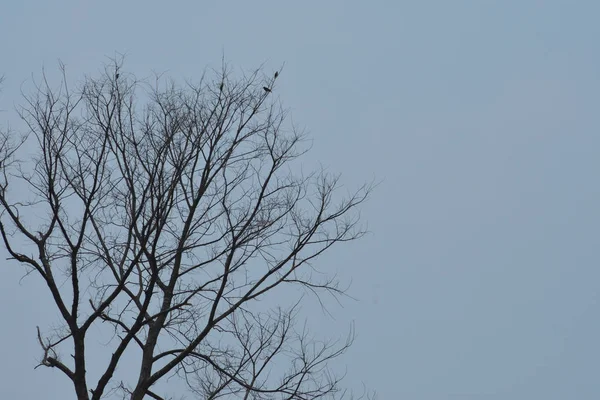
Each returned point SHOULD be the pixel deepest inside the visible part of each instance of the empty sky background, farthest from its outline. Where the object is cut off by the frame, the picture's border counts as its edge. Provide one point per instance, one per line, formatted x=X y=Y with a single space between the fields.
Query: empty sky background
x=481 y=277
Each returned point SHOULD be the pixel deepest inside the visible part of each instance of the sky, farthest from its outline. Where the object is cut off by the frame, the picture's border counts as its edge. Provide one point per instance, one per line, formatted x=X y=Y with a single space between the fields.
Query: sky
x=480 y=277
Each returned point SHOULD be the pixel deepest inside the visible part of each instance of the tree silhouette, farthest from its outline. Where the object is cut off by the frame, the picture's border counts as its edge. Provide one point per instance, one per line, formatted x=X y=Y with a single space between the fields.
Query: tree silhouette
x=168 y=220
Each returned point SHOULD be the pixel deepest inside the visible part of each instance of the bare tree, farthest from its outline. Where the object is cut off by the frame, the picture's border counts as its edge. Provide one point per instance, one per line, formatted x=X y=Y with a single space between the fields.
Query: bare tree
x=165 y=212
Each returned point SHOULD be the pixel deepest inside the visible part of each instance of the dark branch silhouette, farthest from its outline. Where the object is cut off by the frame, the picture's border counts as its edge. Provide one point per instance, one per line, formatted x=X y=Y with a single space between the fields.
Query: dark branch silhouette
x=169 y=220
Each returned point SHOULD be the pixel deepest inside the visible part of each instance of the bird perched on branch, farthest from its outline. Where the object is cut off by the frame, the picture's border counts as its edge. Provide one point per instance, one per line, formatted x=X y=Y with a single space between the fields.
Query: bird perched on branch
x=266 y=89
x=221 y=87
x=276 y=74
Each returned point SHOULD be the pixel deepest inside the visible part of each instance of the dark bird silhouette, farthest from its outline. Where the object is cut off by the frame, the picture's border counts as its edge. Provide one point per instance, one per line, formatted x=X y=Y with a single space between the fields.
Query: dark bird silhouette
x=276 y=74
x=221 y=87
x=117 y=76
x=266 y=89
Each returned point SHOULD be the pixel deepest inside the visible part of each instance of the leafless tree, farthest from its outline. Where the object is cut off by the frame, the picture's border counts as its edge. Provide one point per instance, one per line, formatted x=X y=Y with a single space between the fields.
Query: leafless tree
x=166 y=212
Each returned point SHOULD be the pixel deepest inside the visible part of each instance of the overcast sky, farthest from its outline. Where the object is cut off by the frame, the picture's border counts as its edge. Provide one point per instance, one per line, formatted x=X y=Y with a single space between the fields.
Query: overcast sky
x=481 y=278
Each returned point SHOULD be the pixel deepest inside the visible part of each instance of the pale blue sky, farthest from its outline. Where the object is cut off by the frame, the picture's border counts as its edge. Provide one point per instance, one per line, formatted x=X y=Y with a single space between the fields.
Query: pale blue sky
x=481 y=277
